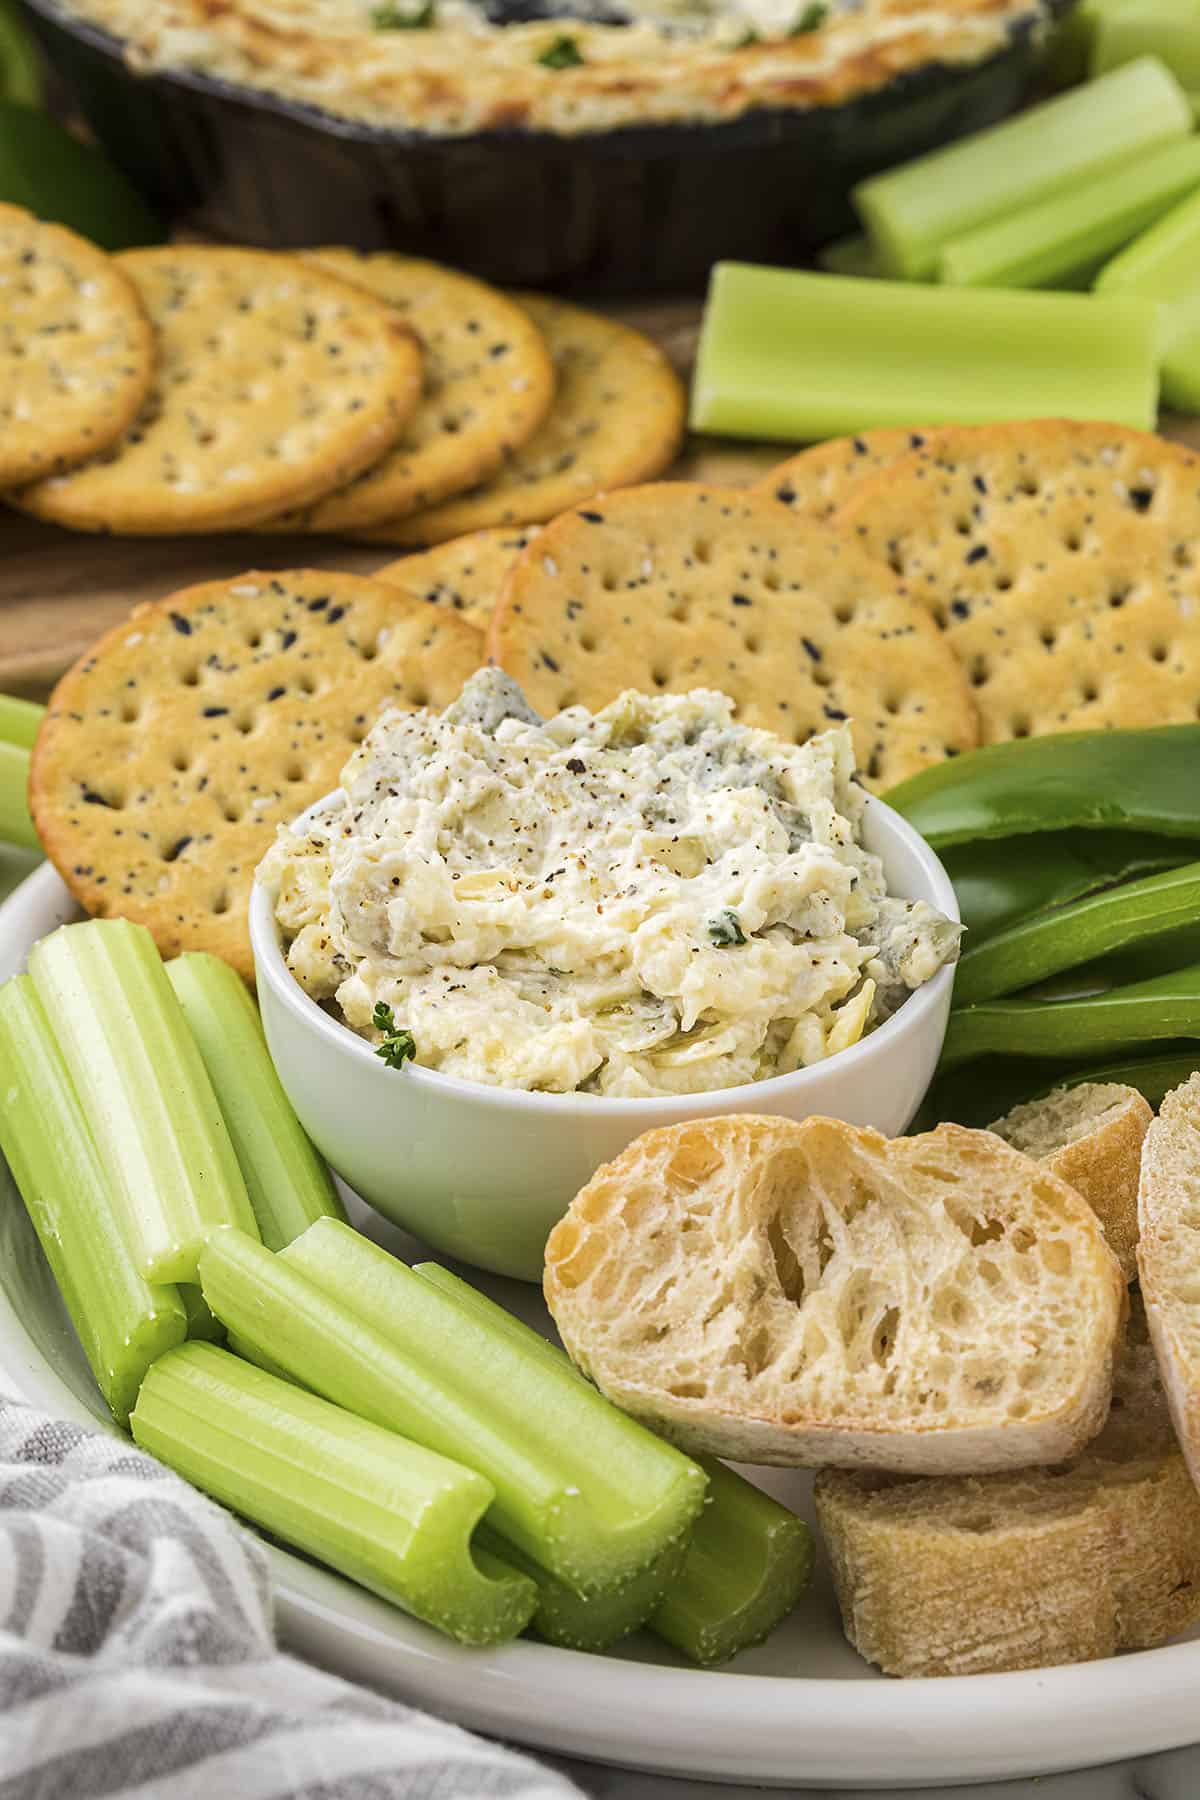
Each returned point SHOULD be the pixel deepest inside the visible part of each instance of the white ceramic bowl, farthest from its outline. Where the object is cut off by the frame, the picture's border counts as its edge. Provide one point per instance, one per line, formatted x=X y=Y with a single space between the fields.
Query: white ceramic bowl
x=483 y=1173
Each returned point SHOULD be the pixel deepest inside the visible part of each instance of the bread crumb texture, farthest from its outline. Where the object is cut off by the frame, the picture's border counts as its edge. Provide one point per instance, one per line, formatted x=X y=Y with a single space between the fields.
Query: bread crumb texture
x=813 y=1293
x=1169 y=1256
x=969 y=1576
x=1092 y=1136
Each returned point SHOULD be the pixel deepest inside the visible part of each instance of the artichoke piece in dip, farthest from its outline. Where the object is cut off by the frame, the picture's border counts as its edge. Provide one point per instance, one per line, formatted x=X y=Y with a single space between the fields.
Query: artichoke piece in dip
x=648 y=900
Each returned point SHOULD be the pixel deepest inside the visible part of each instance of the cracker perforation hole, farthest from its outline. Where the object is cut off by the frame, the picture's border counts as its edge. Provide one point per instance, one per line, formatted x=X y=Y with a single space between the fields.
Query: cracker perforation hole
x=1159 y=652
x=220 y=903
x=702 y=551
x=844 y=612
x=1021 y=726
x=190 y=676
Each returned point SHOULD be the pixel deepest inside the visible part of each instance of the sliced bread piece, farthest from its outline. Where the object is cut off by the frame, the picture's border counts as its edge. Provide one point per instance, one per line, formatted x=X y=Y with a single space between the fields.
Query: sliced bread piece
x=1092 y=1136
x=782 y=1292
x=965 y=1576
x=1169 y=1256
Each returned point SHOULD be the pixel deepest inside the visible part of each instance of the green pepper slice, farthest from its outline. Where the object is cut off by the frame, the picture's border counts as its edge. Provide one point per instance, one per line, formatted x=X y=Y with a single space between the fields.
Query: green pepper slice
x=20 y=70
x=46 y=170
x=1144 y=781
x=1145 y=1012
x=981 y=1091
x=1008 y=879
x=1140 y=913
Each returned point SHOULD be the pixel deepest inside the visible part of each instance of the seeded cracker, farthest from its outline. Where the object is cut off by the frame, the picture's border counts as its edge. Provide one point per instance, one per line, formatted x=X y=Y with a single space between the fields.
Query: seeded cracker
x=821 y=480
x=1060 y=561
x=77 y=351
x=677 y=586
x=617 y=418
x=488 y=383
x=466 y=574
x=277 y=382
x=174 y=748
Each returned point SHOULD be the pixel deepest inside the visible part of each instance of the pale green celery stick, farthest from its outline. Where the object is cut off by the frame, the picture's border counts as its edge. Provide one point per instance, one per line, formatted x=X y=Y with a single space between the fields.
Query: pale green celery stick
x=144 y=1092
x=573 y=1623
x=122 y=1321
x=19 y=720
x=910 y=212
x=248 y=1353
x=748 y=1562
x=1149 y=28
x=384 y=1511
x=587 y=1493
x=200 y=1321
x=796 y=356
x=1181 y=374
x=849 y=256
x=1049 y=243
x=1164 y=265
x=288 y=1183
x=16 y=826
x=748 y=1559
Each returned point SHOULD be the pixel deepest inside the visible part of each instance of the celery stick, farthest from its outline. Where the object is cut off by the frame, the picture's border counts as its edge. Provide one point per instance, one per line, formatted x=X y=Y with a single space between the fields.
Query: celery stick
x=748 y=1562
x=144 y=1091
x=910 y=212
x=248 y=1353
x=587 y=1493
x=1056 y=239
x=19 y=720
x=1164 y=265
x=849 y=256
x=391 y=1515
x=488 y=1313
x=1181 y=374
x=748 y=1559
x=573 y=1623
x=751 y=1560
x=16 y=826
x=288 y=1183
x=200 y=1321
x=122 y=1321
x=795 y=356
x=1149 y=28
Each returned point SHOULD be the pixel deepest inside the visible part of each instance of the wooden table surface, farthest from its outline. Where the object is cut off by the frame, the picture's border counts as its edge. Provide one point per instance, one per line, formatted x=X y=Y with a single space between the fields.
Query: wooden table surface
x=60 y=590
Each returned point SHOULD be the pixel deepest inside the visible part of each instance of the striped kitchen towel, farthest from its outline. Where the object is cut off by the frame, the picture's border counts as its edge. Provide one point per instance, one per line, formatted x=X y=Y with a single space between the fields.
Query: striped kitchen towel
x=137 y=1660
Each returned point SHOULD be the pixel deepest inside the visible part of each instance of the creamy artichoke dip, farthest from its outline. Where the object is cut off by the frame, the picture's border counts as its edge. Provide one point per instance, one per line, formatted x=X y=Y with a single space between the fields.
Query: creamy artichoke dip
x=567 y=66
x=648 y=900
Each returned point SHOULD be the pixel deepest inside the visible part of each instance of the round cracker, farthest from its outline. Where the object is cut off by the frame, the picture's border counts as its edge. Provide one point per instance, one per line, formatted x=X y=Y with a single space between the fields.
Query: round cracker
x=488 y=384
x=617 y=418
x=465 y=574
x=820 y=480
x=1060 y=561
x=173 y=749
x=77 y=352
x=678 y=586
x=277 y=382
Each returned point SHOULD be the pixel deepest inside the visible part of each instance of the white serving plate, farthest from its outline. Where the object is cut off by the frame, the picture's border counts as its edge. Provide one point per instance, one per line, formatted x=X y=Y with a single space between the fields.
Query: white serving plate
x=800 y=1711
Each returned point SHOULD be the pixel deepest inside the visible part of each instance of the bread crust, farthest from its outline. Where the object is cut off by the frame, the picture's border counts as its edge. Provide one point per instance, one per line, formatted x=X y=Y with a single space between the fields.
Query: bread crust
x=1103 y=1163
x=1169 y=1257
x=965 y=1577
x=811 y=1293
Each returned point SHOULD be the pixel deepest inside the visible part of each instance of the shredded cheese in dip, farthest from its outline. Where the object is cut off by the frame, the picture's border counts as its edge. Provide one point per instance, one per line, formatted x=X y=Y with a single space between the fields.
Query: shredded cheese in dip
x=566 y=66
x=648 y=900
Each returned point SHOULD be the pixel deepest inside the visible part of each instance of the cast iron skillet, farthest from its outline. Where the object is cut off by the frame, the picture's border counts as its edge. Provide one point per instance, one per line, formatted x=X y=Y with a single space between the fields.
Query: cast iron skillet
x=631 y=210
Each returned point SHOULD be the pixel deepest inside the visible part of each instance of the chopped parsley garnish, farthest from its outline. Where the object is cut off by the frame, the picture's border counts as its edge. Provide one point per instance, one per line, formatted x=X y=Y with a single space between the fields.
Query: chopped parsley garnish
x=811 y=19
x=563 y=53
x=398 y=1045
x=725 y=929
x=390 y=17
